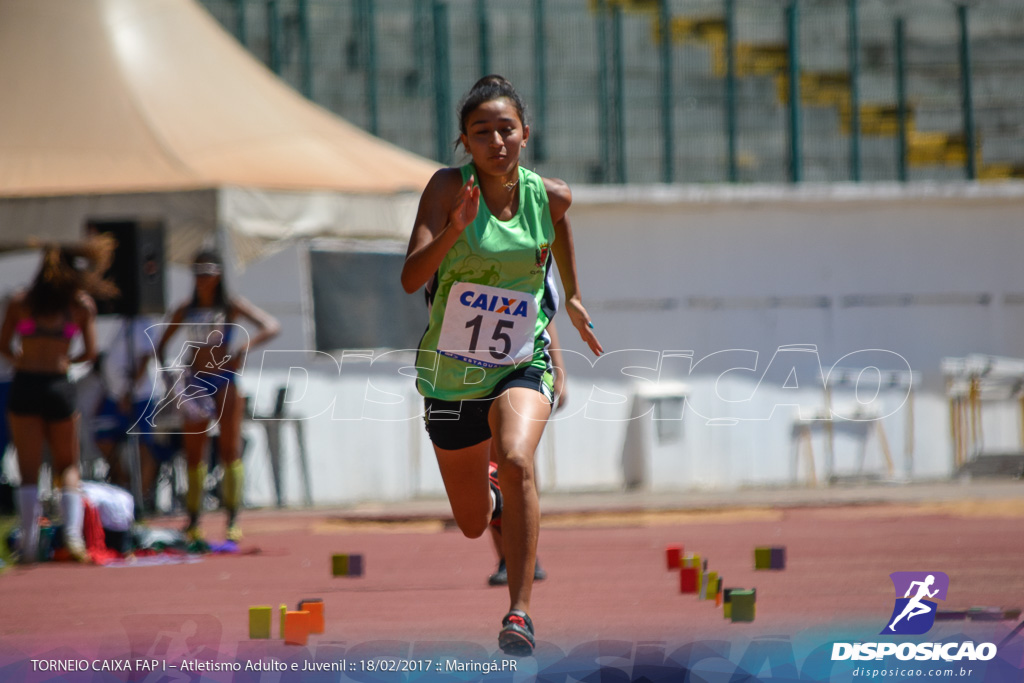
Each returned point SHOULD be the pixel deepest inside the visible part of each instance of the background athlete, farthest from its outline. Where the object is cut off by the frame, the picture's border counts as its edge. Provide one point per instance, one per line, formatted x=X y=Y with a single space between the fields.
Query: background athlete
x=208 y=320
x=46 y=318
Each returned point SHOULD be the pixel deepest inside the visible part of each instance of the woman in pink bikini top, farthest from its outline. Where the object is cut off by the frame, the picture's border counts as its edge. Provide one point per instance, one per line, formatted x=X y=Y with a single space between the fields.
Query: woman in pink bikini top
x=45 y=319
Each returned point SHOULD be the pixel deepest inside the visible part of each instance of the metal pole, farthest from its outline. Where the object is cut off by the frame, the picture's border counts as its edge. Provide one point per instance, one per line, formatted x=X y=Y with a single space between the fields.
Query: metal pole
x=358 y=29
x=240 y=28
x=421 y=37
x=664 y=22
x=792 y=30
x=901 y=104
x=603 y=117
x=854 y=46
x=968 y=102
x=540 y=76
x=730 y=89
x=620 y=96
x=442 y=96
x=371 y=65
x=484 y=31
x=274 y=36
x=134 y=453
x=307 y=52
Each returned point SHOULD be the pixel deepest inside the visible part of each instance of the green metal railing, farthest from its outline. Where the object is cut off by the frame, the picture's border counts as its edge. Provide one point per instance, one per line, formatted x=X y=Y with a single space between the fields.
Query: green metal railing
x=673 y=91
x=901 y=99
x=853 y=43
x=968 y=100
x=793 y=60
x=667 y=127
x=442 y=92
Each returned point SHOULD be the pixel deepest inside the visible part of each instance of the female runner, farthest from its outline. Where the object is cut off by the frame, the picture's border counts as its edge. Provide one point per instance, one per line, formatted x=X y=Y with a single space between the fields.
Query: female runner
x=483 y=243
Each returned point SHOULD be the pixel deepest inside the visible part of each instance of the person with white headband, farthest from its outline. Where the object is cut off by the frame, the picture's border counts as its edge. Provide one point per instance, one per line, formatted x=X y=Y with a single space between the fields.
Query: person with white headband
x=210 y=363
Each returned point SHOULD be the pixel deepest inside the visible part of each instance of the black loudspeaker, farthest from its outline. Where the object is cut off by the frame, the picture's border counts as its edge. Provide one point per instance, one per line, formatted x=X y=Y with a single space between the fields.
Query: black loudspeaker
x=138 y=268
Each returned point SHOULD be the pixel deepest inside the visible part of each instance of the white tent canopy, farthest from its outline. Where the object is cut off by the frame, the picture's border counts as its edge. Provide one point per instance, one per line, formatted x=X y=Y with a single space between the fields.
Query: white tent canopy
x=122 y=108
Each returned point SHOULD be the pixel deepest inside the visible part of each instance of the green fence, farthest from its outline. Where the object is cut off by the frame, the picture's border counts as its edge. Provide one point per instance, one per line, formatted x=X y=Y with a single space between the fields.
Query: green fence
x=733 y=91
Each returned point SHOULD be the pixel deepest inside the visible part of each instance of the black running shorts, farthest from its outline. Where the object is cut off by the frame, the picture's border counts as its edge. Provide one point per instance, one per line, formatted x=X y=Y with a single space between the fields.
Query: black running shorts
x=452 y=425
x=50 y=396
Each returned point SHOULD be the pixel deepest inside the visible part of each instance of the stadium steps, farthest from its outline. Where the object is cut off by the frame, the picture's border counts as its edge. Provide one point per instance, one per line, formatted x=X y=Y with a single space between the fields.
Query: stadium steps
x=574 y=148
x=832 y=89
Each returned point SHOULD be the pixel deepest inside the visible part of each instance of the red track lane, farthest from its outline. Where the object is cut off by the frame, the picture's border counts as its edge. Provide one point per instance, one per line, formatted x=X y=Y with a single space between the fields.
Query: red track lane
x=606 y=581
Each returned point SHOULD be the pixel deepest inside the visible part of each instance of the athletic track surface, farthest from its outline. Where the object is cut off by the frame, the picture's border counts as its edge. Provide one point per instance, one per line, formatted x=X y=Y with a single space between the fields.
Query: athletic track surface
x=425 y=585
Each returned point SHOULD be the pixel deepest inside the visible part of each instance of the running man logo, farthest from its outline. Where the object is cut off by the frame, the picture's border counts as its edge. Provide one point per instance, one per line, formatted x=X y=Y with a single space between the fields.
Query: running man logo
x=188 y=393
x=914 y=613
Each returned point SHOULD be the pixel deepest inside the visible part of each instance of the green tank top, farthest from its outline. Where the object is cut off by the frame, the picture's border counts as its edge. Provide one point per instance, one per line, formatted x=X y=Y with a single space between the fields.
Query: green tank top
x=491 y=299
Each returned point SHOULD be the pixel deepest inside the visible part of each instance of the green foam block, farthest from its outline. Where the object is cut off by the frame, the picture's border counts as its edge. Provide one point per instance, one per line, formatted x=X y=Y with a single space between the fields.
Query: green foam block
x=743 y=605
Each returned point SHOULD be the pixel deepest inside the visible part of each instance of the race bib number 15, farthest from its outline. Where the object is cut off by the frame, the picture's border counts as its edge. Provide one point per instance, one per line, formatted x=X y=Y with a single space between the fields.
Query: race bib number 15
x=488 y=326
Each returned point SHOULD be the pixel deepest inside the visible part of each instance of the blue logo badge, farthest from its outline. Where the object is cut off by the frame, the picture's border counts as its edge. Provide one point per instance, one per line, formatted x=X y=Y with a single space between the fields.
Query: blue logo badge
x=914 y=612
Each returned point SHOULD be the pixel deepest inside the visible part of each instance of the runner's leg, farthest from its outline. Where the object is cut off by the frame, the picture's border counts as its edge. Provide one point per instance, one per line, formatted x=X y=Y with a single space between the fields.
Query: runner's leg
x=28 y=433
x=62 y=435
x=230 y=456
x=517 y=419
x=464 y=472
x=194 y=438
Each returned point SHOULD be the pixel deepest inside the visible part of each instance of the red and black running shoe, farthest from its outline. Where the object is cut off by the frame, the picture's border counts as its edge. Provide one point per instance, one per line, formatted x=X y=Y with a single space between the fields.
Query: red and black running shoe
x=492 y=479
x=516 y=635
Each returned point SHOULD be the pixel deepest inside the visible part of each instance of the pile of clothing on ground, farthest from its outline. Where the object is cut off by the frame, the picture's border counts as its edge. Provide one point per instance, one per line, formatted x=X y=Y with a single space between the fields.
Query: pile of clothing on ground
x=111 y=533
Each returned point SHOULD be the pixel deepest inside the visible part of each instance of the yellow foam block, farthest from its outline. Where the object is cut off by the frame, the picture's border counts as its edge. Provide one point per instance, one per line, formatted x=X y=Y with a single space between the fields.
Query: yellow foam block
x=711 y=586
x=259 y=621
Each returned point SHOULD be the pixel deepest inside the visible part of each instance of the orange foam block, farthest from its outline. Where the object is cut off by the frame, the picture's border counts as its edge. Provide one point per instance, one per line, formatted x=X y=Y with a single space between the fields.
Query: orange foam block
x=296 y=627
x=315 y=607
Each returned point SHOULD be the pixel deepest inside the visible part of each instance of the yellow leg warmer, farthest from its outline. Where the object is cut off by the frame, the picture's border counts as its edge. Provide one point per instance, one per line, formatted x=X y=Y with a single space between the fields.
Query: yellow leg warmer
x=196 y=489
x=234 y=477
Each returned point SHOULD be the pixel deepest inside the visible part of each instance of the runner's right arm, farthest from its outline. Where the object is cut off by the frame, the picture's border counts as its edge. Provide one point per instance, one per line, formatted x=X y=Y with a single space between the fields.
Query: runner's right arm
x=7 y=330
x=179 y=315
x=446 y=208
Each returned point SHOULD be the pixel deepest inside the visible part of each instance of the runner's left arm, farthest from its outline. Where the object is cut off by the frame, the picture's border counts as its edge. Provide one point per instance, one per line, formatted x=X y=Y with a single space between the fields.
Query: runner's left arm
x=7 y=331
x=267 y=325
x=559 y=198
x=558 y=362
x=85 y=315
